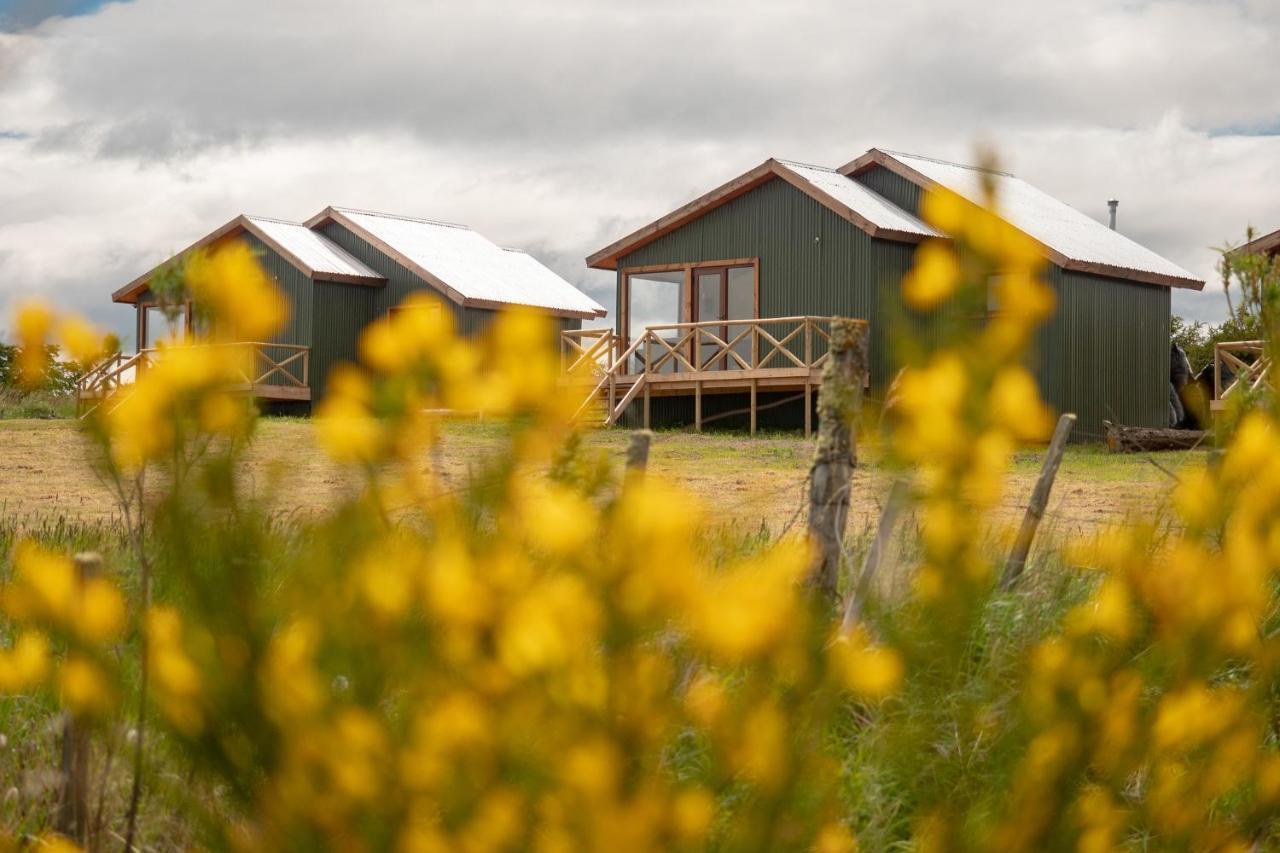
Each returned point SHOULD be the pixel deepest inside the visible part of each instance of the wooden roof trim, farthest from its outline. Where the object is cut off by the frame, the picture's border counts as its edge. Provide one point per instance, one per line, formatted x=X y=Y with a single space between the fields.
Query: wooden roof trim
x=242 y=224
x=557 y=312
x=1261 y=245
x=607 y=258
x=876 y=157
x=1129 y=274
x=129 y=293
x=829 y=201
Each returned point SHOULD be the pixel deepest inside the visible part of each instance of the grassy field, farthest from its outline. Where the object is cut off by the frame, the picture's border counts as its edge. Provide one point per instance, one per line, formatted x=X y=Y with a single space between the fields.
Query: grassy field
x=44 y=473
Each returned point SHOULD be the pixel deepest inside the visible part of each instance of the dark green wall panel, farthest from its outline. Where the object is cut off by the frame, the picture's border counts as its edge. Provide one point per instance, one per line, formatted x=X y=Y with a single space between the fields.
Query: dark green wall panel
x=896 y=188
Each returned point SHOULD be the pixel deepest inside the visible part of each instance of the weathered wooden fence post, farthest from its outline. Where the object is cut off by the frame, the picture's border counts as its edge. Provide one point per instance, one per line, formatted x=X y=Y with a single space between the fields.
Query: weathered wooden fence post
x=73 y=803
x=861 y=587
x=1039 y=500
x=638 y=452
x=830 y=478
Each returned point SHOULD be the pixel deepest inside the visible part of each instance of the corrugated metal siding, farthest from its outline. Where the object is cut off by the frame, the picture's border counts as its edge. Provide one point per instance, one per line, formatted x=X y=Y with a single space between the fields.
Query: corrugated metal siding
x=298 y=290
x=341 y=312
x=896 y=188
x=1105 y=353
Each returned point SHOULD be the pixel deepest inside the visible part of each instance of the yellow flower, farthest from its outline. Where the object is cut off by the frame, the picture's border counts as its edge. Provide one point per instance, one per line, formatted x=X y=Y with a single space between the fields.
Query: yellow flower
x=384 y=349
x=692 y=812
x=80 y=340
x=1023 y=296
x=745 y=611
x=83 y=689
x=33 y=323
x=945 y=210
x=933 y=277
x=25 y=665
x=348 y=432
x=1108 y=613
x=705 y=701
x=291 y=687
x=102 y=614
x=835 y=838
x=1015 y=405
x=222 y=414
x=230 y=283
x=558 y=520
x=760 y=753
x=868 y=671
x=46 y=588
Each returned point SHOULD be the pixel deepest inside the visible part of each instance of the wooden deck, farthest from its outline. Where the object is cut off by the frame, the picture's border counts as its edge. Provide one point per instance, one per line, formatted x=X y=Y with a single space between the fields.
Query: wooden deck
x=714 y=357
x=271 y=372
x=1250 y=364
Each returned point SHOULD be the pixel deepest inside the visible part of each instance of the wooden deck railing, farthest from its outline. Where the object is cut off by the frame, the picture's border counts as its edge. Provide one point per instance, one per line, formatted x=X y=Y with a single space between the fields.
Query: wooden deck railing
x=267 y=370
x=1247 y=361
x=713 y=351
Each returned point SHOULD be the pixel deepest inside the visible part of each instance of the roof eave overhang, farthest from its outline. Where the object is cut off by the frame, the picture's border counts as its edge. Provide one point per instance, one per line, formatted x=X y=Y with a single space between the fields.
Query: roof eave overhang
x=876 y=157
x=608 y=257
x=1266 y=244
x=330 y=214
x=495 y=305
x=242 y=224
x=129 y=293
x=1126 y=274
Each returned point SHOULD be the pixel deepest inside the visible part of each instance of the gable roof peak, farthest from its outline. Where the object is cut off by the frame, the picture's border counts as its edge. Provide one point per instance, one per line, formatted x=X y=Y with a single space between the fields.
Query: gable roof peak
x=985 y=169
x=417 y=219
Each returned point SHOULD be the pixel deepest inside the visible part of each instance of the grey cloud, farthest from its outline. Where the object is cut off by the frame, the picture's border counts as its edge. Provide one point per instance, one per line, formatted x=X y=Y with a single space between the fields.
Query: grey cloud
x=559 y=126
x=161 y=77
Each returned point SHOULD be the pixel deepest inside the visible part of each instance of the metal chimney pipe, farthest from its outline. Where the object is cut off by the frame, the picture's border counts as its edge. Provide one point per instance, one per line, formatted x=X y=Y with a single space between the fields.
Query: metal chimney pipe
x=1113 y=203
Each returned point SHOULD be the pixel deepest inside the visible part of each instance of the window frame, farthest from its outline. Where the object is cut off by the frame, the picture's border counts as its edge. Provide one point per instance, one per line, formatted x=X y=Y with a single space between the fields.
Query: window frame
x=188 y=331
x=688 y=309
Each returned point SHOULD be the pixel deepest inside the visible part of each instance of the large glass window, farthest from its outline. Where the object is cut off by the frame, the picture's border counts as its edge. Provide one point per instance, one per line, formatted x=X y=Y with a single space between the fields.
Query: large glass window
x=653 y=299
x=157 y=326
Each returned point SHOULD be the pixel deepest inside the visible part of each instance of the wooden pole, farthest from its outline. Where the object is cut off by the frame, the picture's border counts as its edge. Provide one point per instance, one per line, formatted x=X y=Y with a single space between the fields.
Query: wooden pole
x=646 y=405
x=808 y=407
x=753 y=407
x=638 y=452
x=697 y=406
x=1039 y=500
x=862 y=587
x=73 y=802
x=830 y=478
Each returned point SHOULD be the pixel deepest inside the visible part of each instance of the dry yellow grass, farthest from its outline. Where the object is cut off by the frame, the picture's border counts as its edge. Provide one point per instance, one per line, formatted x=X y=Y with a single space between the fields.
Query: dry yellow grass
x=46 y=470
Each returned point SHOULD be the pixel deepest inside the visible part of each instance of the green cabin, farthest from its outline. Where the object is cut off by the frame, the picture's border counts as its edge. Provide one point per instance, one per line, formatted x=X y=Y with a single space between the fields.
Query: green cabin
x=343 y=269
x=805 y=243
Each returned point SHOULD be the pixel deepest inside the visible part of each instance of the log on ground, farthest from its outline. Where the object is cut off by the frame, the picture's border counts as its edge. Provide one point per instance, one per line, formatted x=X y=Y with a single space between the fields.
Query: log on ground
x=1128 y=439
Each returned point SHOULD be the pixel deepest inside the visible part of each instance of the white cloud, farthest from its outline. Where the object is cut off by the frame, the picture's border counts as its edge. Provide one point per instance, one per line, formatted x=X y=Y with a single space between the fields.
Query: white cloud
x=559 y=126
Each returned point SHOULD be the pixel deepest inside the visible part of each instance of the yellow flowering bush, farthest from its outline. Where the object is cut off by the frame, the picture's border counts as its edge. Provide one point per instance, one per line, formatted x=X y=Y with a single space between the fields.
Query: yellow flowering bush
x=555 y=657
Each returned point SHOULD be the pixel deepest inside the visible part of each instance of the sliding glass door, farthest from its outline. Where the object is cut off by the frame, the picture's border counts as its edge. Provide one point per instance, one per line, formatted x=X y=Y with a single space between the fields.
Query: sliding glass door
x=725 y=293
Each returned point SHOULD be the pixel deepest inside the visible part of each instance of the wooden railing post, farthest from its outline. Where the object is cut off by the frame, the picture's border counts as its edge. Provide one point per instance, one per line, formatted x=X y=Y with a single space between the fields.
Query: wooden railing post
x=831 y=476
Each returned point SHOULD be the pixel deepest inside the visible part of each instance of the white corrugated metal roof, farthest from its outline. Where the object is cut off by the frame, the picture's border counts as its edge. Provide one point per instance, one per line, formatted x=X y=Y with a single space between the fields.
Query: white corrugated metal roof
x=312 y=248
x=876 y=209
x=472 y=265
x=1054 y=223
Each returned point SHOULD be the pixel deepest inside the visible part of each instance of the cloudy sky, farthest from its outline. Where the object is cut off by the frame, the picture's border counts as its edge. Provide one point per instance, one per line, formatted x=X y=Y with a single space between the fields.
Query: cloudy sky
x=128 y=130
